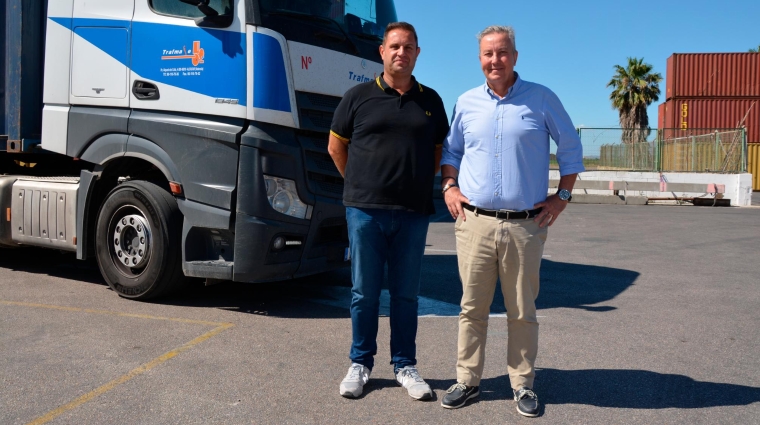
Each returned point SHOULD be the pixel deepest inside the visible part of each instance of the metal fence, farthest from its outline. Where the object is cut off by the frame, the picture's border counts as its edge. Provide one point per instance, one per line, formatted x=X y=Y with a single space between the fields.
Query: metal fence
x=718 y=151
x=693 y=150
x=630 y=156
x=619 y=148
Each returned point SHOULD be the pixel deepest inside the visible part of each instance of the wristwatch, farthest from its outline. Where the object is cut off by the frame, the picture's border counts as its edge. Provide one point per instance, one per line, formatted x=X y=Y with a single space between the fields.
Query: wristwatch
x=448 y=186
x=564 y=195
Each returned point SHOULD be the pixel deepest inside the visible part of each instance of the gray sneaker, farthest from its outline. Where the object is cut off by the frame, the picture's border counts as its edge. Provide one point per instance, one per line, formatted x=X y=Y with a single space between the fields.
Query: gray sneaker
x=353 y=384
x=409 y=378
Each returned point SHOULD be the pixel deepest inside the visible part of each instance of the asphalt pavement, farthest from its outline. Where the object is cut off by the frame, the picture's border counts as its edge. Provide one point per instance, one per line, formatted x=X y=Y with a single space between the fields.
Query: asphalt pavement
x=649 y=314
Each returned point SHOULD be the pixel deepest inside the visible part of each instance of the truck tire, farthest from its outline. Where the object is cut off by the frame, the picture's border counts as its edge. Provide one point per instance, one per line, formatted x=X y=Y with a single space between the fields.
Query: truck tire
x=138 y=241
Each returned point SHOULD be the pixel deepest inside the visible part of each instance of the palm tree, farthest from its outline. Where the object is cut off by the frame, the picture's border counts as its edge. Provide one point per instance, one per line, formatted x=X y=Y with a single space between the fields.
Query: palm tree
x=755 y=50
x=633 y=89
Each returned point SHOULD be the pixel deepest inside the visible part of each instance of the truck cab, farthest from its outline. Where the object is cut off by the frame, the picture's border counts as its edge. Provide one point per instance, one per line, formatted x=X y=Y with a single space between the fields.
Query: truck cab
x=173 y=138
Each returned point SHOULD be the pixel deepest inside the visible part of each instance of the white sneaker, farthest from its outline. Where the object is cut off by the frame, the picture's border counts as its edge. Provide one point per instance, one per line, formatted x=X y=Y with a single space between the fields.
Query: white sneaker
x=409 y=378
x=353 y=383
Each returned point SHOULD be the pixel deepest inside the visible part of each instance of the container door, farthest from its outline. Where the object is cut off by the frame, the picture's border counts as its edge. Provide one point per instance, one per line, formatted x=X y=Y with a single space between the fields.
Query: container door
x=99 y=52
x=183 y=61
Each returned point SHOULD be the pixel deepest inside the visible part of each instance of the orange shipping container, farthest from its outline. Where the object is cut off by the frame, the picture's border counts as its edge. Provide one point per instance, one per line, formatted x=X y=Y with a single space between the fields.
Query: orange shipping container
x=661 y=115
x=713 y=114
x=712 y=75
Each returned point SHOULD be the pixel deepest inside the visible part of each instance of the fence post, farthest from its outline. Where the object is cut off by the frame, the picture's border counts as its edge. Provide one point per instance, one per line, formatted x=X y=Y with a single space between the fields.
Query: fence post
x=744 y=150
x=658 y=149
x=693 y=152
x=717 y=144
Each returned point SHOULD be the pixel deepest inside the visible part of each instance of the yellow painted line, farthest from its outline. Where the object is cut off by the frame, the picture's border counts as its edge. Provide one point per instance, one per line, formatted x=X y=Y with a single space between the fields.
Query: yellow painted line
x=220 y=327
x=122 y=379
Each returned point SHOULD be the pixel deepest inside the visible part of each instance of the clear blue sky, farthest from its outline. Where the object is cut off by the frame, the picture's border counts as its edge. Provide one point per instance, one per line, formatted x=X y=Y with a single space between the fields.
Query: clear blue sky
x=571 y=47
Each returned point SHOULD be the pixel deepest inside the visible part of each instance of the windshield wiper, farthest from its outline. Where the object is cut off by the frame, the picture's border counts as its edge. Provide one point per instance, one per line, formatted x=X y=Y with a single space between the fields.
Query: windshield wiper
x=308 y=17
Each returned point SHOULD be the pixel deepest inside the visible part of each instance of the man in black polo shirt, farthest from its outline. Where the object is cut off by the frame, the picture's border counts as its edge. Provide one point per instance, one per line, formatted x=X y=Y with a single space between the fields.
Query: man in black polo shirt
x=386 y=140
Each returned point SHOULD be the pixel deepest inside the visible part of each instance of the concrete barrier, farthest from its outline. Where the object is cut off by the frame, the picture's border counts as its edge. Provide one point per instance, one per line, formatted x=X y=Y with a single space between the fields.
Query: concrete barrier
x=735 y=187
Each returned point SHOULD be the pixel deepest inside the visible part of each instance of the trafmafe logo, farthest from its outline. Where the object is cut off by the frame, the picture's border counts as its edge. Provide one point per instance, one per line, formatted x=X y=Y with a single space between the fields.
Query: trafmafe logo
x=196 y=55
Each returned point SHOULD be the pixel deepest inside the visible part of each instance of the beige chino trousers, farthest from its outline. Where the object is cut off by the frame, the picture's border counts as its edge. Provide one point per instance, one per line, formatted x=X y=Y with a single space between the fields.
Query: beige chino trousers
x=511 y=250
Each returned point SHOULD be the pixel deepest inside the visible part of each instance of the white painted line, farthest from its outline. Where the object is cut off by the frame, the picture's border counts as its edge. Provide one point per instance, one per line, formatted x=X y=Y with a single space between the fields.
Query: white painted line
x=547 y=256
x=440 y=250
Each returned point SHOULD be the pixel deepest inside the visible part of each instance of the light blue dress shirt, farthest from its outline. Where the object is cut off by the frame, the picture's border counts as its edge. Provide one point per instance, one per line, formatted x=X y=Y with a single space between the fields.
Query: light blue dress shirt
x=501 y=146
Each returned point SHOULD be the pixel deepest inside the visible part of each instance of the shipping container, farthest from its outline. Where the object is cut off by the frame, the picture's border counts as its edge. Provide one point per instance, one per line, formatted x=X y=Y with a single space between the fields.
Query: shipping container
x=2 y=74
x=661 y=115
x=22 y=50
x=713 y=114
x=712 y=75
x=753 y=164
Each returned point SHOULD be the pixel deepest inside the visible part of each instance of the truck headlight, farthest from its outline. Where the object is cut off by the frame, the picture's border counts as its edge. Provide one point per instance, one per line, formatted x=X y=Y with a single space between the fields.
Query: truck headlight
x=283 y=197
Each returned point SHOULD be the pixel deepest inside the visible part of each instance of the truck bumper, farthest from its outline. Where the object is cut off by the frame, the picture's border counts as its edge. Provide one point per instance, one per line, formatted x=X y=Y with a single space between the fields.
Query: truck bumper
x=323 y=245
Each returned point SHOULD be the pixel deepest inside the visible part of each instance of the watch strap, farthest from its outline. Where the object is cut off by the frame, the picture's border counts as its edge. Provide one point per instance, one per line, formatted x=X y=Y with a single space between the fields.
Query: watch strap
x=449 y=186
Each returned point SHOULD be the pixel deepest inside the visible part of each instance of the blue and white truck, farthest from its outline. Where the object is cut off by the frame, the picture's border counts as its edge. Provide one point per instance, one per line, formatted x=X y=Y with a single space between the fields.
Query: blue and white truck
x=173 y=138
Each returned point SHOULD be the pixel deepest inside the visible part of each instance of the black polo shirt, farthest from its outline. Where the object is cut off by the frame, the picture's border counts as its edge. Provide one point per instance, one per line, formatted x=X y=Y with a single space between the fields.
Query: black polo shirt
x=392 y=144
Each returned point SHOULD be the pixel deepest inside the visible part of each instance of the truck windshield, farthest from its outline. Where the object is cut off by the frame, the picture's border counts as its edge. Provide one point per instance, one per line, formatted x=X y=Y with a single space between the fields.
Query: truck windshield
x=363 y=21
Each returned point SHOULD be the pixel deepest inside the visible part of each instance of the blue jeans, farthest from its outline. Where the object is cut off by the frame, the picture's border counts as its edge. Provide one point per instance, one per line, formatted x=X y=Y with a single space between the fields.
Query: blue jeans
x=377 y=237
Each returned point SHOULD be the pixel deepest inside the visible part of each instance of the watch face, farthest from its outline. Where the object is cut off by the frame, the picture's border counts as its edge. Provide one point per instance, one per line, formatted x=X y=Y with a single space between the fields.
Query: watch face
x=564 y=194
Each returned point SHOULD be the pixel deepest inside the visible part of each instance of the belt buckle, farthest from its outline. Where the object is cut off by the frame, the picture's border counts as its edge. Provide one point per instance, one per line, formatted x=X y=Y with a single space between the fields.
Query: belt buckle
x=505 y=212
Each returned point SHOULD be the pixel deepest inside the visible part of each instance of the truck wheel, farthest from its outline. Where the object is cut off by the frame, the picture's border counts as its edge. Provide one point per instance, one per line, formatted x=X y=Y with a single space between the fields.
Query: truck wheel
x=138 y=240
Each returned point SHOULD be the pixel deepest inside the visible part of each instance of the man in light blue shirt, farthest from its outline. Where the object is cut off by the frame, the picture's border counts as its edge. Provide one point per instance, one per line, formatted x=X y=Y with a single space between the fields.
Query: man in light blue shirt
x=495 y=172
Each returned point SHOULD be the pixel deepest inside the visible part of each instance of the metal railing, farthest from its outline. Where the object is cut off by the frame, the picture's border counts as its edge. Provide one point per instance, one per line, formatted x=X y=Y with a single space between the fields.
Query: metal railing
x=692 y=150
x=717 y=151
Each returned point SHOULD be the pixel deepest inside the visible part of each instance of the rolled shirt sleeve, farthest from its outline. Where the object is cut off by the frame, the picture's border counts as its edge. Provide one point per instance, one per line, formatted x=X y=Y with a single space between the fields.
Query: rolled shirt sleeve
x=453 y=144
x=560 y=127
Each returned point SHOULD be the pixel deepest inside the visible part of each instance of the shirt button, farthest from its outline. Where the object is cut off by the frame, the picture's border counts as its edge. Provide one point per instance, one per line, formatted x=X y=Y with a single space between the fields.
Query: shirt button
x=496 y=193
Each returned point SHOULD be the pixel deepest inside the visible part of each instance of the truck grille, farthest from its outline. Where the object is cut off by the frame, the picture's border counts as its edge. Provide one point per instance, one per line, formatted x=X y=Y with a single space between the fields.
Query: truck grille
x=318 y=119
x=315 y=112
x=323 y=101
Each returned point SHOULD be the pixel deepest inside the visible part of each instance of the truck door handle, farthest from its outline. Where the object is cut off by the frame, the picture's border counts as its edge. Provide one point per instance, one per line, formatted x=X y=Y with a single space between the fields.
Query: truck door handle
x=144 y=90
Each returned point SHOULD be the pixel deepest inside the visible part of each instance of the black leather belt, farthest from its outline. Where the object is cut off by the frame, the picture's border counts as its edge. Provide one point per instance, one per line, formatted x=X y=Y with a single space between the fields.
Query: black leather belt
x=504 y=214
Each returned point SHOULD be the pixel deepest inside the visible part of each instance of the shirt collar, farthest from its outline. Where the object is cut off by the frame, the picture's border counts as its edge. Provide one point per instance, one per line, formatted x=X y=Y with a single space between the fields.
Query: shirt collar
x=515 y=86
x=380 y=81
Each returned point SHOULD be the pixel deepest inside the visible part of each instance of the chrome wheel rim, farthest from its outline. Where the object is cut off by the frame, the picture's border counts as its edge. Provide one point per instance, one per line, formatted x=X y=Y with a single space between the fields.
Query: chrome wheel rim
x=129 y=241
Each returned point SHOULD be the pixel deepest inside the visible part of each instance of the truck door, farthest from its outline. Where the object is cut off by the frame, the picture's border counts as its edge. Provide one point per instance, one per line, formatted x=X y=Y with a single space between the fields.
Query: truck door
x=100 y=52
x=185 y=61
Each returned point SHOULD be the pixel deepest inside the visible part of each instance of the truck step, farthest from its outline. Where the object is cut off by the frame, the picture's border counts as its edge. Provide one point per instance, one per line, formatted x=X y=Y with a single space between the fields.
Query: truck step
x=220 y=269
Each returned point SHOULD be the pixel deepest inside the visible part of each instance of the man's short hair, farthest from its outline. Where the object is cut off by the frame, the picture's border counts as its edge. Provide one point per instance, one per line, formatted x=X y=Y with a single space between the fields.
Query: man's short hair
x=499 y=29
x=400 y=26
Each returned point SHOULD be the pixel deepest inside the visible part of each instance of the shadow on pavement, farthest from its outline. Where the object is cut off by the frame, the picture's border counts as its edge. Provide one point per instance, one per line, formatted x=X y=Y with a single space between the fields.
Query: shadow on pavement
x=563 y=285
x=53 y=263
x=301 y=298
x=327 y=295
x=624 y=389
x=636 y=389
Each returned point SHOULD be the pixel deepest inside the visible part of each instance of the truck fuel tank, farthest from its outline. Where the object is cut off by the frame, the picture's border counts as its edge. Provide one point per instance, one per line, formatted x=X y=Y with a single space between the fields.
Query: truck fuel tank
x=39 y=211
